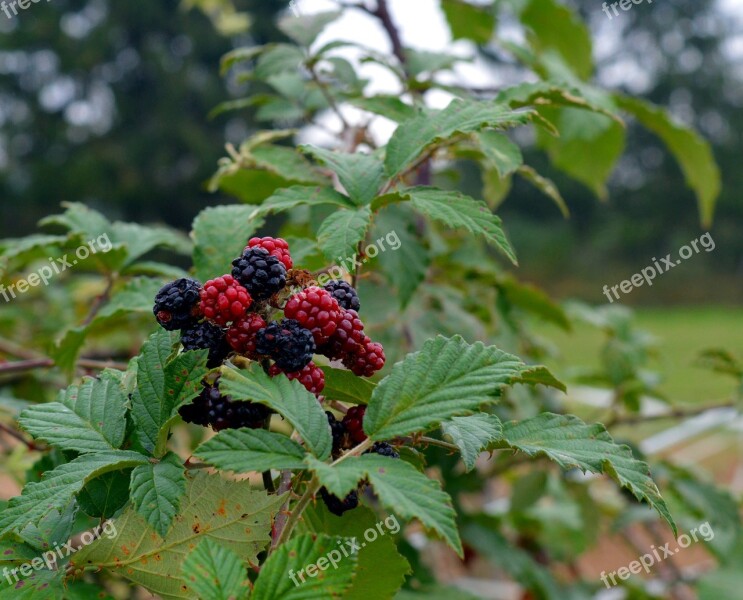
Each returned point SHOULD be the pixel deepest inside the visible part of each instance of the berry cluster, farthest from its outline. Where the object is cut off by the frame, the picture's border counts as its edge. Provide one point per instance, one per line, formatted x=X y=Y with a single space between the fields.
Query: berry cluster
x=239 y=313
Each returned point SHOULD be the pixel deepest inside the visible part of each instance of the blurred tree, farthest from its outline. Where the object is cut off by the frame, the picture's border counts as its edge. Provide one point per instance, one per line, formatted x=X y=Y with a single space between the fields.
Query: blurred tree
x=105 y=103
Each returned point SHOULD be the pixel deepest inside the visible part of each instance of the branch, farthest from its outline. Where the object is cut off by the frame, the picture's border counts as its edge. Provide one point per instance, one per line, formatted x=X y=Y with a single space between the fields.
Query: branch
x=18 y=436
x=101 y=300
x=26 y=365
x=383 y=14
x=677 y=413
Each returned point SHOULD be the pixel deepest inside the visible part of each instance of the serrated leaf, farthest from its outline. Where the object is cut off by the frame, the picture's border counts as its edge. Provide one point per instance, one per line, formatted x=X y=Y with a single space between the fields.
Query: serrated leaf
x=546 y=186
x=448 y=377
x=280 y=578
x=278 y=58
x=102 y=497
x=58 y=487
x=40 y=585
x=457 y=210
x=140 y=239
x=230 y=513
x=88 y=418
x=304 y=29
x=360 y=174
x=288 y=398
x=220 y=233
x=500 y=152
x=245 y=450
x=299 y=195
x=287 y=162
x=340 y=234
x=573 y=444
x=469 y=22
x=538 y=375
x=390 y=107
x=215 y=573
x=533 y=300
x=381 y=568
x=344 y=386
x=472 y=435
x=156 y=491
x=239 y=55
x=401 y=488
x=412 y=137
x=692 y=152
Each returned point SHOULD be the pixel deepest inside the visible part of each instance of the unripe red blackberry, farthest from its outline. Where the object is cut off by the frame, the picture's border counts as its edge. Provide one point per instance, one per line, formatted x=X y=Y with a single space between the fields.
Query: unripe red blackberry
x=206 y=335
x=276 y=247
x=261 y=273
x=344 y=293
x=224 y=300
x=366 y=360
x=316 y=310
x=347 y=338
x=311 y=377
x=289 y=344
x=177 y=304
x=353 y=422
x=241 y=336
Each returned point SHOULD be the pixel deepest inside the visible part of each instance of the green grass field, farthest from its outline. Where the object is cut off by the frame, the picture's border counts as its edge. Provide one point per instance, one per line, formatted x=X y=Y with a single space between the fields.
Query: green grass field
x=682 y=332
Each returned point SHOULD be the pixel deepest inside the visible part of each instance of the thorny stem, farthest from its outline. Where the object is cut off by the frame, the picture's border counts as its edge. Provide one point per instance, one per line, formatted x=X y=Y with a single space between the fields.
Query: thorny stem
x=281 y=519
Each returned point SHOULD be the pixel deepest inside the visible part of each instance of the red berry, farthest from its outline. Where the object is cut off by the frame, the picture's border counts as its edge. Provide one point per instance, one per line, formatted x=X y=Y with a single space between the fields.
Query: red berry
x=353 y=422
x=276 y=247
x=347 y=338
x=223 y=300
x=367 y=360
x=241 y=336
x=316 y=310
x=311 y=377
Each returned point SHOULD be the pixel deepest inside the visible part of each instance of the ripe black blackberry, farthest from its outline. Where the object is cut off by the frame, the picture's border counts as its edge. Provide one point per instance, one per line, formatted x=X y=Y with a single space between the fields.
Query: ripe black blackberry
x=383 y=449
x=344 y=294
x=210 y=407
x=289 y=344
x=206 y=335
x=338 y=506
x=338 y=431
x=177 y=304
x=261 y=273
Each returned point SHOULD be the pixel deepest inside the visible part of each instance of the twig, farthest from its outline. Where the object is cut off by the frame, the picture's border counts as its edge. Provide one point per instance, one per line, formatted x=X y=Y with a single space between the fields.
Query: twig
x=383 y=14
x=89 y=363
x=678 y=413
x=8 y=347
x=328 y=96
x=26 y=365
x=281 y=518
x=18 y=436
x=101 y=300
x=430 y=442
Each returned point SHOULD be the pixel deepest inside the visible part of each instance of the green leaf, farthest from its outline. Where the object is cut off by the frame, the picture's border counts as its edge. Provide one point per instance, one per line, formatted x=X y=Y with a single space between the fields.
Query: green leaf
x=156 y=491
x=102 y=497
x=472 y=435
x=341 y=233
x=448 y=377
x=304 y=29
x=230 y=513
x=215 y=573
x=529 y=298
x=413 y=136
x=239 y=55
x=280 y=575
x=344 y=386
x=287 y=162
x=381 y=568
x=693 y=153
x=468 y=22
x=538 y=375
x=245 y=450
x=278 y=58
x=500 y=152
x=390 y=107
x=58 y=487
x=163 y=385
x=556 y=28
x=573 y=444
x=401 y=488
x=220 y=233
x=546 y=186
x=140 y=239
x=299 y=195
x=288 y=398
x=88 y=418
x=44 y=584
x=459 y=211
x=360 y=174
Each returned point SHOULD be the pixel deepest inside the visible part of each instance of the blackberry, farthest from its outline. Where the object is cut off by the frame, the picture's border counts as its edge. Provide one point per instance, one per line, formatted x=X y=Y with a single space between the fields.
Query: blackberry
x=223 y=299
x=383 y=449
x=311 y=377
x=336 y=505
x=276 y=247
x=210 y=407
x=288 y=343
x=338 y=432
x=260 y=272
x=345 y=294
x=177 y=304
x=347 y=338
x=241 y=336
x=317 y=310
x=353 y=422
x=366 y=360
x=205 y=335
